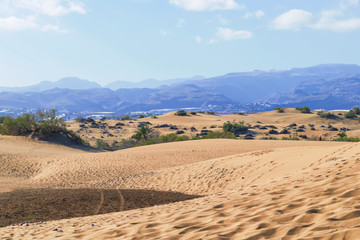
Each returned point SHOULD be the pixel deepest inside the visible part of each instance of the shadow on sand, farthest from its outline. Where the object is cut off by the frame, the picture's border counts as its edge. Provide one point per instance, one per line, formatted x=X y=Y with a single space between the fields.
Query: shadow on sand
x=34 y=205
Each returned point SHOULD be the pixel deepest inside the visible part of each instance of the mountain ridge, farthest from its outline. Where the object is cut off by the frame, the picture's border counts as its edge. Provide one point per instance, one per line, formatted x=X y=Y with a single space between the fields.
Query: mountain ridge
x=321 y=86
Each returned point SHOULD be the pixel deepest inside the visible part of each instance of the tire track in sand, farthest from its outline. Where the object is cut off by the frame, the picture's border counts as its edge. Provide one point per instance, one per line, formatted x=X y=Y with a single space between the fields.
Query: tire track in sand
x=122 y=201
x=97 y=211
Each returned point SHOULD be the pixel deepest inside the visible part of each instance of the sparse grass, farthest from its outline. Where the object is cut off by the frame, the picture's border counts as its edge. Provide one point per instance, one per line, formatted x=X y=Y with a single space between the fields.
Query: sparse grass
x=126 y=117
x=344 y=138
x=293 y=137
x=181 y=113
x=350 y=114
x=303 y=109
x=217 y=134
x=101 y=144
x=327 y=115
x=280 y=110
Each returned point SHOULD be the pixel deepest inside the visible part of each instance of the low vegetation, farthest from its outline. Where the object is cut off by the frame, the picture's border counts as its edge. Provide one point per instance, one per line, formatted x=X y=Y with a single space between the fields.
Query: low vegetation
x=126 y=117
x=44 y=124
x=235 y=128
x=326 y=115
x=181 y=113
x=293 y=137
x=344 y=138
x=304 y=109
x=356 y=110
x=101 y=144
x=280 y=110
x=350 y=114
x=143 y=133
x=217 y=134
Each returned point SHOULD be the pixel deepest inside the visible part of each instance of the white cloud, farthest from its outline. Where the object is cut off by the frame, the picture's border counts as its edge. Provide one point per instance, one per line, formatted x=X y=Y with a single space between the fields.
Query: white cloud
x=163 y=32
x=198 y=39
x=29 y=23
x=28 y=14
x=17 y=24
x=222 y=20
x=230 y=34
x=348 y=3
x=206 y=5
x=49 y=7
x=53 y=28
x=212 y=41
x=328 y=21
x=257 y=14
x=293 y=20
x=180 y=23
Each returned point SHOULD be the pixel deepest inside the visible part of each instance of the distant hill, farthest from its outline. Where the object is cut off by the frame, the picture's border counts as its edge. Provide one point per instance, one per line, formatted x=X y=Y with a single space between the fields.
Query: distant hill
x=150 y=83
x=68 y=82
x=324 y=86
x=338 y=93
x=258 y=86
x=104 y=99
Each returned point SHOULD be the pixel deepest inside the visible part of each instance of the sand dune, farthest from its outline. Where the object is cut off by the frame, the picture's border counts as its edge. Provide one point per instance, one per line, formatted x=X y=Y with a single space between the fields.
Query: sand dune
x=251 y=189
x=192 y=125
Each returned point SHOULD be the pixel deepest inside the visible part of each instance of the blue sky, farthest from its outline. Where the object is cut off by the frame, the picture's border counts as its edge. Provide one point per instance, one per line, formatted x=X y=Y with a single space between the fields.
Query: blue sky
x=132 y=40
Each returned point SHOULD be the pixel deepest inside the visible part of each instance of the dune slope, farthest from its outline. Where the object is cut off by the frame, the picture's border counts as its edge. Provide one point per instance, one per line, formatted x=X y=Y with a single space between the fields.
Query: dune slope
x=252 y=189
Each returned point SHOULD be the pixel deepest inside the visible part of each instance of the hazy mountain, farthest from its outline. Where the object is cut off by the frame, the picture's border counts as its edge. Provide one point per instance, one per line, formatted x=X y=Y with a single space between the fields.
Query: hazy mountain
x=323 y=86
x=68 y=82
x=171 y=97
x=337 y=93
x=253 y=86
x=150 y=83
x=104 y=99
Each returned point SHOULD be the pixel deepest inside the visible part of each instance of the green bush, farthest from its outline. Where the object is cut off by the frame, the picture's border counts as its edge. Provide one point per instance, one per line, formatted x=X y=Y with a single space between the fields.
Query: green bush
x=218 y=134
x=235 y=128
x=21 y=125
x=101 y=144
x=305 y=109
x=43 y=124
x=211 y=113
x=181 y=113
x=2 y=119
x=356 y=110
x=344 y=138
x=126 y=117
x=293 y=137
x=193 y=113
x=48 y=123
x=280 y=110
x=273 y=131
x=141 y=116
x=327 y=115
x=80 y=120
x=350 y=114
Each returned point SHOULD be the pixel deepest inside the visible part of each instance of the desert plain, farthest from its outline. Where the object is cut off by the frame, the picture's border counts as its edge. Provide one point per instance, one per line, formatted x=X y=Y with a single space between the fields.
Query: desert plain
x=198 y=189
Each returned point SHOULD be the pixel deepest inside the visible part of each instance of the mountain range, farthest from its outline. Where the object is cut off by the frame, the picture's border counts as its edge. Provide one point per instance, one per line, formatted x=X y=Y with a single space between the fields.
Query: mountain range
x=326 y=86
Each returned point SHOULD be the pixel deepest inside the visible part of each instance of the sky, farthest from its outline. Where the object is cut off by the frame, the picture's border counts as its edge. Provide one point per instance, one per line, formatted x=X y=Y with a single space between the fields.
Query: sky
x=133 y=40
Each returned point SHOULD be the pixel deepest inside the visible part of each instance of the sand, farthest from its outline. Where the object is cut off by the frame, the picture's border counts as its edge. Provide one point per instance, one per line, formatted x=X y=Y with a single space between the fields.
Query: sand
x=192 y=125
x=250 y=189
